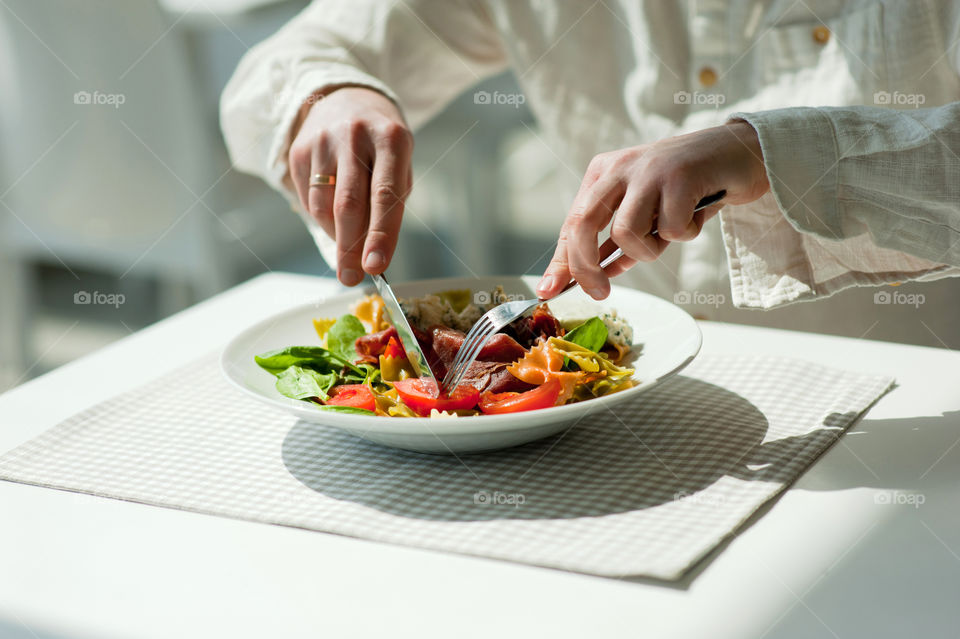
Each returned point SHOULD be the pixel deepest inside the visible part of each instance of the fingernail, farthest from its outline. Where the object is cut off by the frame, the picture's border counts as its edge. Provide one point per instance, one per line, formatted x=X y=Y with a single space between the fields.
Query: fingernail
x=350 y=277
x=546 y=284
x=374 y=261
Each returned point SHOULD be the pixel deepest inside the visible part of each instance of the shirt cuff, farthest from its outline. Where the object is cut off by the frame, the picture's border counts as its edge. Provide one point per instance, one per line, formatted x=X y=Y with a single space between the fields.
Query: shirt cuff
x=790 y=245
x=771 y=264
x=802 y=158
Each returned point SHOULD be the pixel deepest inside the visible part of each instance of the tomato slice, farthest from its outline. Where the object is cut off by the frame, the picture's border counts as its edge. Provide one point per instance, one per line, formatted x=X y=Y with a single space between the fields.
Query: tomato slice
x=355 y=395
x=543 y=396
x=394 y=349
x=422 y=396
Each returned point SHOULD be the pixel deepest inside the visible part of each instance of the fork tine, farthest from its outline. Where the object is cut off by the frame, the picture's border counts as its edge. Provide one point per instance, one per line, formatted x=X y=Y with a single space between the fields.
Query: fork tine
x=477 y=337
x=457 y=374
x=451 y=372
x=475 y=330
x=462 y=362
x=482 y=325
x=454 y=376
x=472 y=350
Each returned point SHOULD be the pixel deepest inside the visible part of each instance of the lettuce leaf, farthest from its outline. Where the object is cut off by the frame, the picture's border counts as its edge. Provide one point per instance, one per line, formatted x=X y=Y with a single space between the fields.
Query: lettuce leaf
x=592 y=334
x=315 y=357
x=342 y=336
x=297 y=382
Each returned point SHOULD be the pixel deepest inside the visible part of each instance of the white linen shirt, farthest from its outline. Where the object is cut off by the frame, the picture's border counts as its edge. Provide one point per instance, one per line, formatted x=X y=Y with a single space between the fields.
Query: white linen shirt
x=865 y=186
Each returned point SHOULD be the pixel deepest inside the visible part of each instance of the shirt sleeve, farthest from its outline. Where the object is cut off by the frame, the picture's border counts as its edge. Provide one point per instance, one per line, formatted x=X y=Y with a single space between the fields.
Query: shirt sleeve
x=858 y=196
x=420 y=54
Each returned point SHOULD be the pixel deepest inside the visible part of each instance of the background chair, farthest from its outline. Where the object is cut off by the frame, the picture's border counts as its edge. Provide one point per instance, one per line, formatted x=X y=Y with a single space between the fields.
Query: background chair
x=109 y=164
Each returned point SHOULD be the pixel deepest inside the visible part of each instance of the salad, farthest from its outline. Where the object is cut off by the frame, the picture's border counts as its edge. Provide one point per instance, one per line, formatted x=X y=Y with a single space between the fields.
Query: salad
x=359 y=365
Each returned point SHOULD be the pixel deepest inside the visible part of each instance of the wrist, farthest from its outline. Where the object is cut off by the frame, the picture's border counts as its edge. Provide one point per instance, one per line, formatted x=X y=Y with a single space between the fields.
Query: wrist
x=315 y=98
x=752 y=155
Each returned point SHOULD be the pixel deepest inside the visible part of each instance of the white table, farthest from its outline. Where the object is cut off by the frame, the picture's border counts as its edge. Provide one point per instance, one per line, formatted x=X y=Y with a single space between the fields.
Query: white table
x=826 y=560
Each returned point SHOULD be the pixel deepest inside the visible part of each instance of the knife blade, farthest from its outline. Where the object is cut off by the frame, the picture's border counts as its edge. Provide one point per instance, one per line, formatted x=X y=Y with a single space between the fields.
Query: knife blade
x=418 y=361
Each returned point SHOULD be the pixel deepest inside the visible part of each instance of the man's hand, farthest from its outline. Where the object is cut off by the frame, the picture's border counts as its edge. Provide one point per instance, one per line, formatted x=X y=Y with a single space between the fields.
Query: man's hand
x=359 y=136
x=652 y=187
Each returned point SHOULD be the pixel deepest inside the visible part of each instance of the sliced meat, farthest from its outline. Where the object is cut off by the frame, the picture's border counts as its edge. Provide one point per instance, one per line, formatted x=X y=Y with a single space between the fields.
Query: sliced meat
x=370 y=347
x=374 y=344
x=500 y=348
x=424 y=338
x=493 y=376
x=541 y=324
x=445 y=344
x=489 y=371
x=502 y=380
x=479 y=374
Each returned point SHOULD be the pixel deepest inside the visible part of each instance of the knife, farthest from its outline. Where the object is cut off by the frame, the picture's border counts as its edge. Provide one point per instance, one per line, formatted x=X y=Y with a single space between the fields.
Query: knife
x=418 y=361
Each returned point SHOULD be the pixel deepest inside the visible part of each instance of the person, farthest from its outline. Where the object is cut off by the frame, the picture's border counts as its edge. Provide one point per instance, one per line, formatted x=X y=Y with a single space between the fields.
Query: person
x=833 y=127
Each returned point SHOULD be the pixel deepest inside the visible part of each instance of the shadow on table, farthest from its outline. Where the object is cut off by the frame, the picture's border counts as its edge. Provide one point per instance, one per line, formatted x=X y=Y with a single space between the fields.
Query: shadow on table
x=645 y=454
x=903 y=454
x=899 y=454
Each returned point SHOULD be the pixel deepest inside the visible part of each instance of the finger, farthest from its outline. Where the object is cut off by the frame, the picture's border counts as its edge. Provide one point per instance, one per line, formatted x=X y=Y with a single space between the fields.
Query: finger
x=707 y=214
x=350 y=213
x=621 y=265
x=632 y=229
x=675 y=222
x=583 y=226
x=388 y=191
x=557 y=274
x=320 y=197
x=298 y=163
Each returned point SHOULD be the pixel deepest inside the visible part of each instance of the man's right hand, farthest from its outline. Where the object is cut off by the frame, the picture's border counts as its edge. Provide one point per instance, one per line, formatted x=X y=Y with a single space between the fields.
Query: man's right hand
x=360 y=136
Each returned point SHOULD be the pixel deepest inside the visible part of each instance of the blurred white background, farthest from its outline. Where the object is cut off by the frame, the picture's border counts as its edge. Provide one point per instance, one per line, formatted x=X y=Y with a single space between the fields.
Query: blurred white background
x=118 y=205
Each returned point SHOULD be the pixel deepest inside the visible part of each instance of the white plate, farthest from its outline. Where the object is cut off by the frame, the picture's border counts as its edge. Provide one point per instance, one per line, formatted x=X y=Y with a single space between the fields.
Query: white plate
x=669 y=339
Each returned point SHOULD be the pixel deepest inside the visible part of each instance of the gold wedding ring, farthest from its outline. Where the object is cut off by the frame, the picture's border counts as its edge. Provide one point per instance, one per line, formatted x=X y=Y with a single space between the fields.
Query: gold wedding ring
x=320 y=179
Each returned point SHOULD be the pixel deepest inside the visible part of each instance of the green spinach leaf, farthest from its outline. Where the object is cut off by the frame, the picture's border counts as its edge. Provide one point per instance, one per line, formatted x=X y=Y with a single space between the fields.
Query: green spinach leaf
x=316 y=357
x=302 y=383
x=343 y=335
x=592 y=334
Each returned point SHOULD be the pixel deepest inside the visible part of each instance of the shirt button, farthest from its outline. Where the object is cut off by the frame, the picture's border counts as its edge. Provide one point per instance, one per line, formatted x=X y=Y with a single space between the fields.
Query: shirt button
x=708 y=77
x=821 y=34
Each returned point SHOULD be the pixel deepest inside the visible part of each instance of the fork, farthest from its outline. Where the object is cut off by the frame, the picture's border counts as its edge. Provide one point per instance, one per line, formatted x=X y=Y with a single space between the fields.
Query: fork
x=494 y=320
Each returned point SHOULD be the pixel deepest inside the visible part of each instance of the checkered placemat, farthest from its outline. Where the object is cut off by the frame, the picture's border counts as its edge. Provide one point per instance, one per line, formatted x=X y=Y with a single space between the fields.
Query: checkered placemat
x=645 y=489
